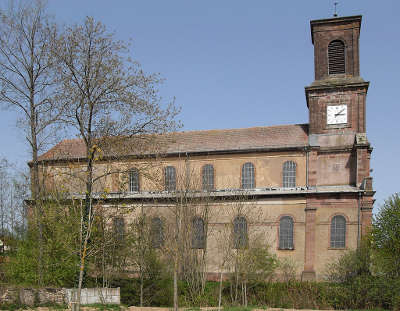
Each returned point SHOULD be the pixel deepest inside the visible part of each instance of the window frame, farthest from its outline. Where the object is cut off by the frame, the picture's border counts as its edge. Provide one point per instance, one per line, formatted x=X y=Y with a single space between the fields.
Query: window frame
x=207 y=174
x=248 y=176
x=198 y=236
x=344 y=57
x=289 y=180
x=240 y=232
x=334 y=242
x=169 y=183
x=156 y=232
x=134 y=172
x=290 y=245
x=119 y=228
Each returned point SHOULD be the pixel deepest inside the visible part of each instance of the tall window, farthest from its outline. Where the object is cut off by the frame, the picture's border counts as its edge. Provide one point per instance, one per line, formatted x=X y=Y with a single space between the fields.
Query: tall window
x=336 y=57
x=198 y=233
x=170 y=178
x=119 y=228
x=248 y=176
x=208 y=177
x=239 y=232
x=289 y=174
x=286 y=233
x=157 y=235
x=338 y=232
x=134 y=180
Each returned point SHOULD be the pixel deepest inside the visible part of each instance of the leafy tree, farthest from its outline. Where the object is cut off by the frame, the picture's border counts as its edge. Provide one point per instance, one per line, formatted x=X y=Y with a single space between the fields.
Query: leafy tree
x=28 y=83
x=60 y=252
x=112 y=104
x=142 y=253
x=386 y=237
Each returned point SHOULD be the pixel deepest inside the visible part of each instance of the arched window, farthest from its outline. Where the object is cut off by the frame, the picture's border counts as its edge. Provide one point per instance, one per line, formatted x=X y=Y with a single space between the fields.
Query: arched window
x=119 y=228
x=170 y=178
x=338 y=232
x=286 y=233
x=336 y=57
x=134 y=180
x=248 y=176
x=198 y=233
x=208 y=177
x=239 y=232
x=289 y=174
x=157 y=235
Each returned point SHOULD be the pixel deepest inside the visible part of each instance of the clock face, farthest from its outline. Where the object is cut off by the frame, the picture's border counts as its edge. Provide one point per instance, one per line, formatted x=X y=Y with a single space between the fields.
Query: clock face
x=336 y=114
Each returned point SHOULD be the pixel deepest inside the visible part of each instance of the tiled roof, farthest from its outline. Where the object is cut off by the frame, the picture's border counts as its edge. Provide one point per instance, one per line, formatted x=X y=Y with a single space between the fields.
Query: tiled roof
x=254 y=138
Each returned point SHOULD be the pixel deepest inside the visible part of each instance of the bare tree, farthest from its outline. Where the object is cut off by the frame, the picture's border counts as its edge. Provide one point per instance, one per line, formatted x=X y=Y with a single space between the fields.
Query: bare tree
x=113 y=105
x=28 y=81
x=187 y=229
x=245 y=256
x=13 y=191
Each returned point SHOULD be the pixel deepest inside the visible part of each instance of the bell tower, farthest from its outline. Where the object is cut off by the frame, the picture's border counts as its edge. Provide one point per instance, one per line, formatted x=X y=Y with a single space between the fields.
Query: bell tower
x=338 y=152
x=336 y=99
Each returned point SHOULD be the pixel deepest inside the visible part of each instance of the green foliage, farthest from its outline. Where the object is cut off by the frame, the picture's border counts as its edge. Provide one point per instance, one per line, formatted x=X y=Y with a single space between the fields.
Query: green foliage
x=353 y=264
x=238 y=308
x=60 y=256
x=157 y=293
x=104 y=307
x=358 y=282
x=386 y=237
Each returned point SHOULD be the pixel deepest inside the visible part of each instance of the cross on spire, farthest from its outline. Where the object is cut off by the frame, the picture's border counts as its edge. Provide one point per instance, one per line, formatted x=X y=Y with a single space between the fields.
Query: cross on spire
x=335 y=14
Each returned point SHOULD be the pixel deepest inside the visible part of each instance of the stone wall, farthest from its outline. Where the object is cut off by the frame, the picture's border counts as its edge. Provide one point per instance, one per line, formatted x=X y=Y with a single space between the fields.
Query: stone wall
x=38 y=296
x=94 y=295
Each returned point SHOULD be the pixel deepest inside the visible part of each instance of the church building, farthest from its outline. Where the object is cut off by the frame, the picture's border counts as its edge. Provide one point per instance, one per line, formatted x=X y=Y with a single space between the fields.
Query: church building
x=304 y=189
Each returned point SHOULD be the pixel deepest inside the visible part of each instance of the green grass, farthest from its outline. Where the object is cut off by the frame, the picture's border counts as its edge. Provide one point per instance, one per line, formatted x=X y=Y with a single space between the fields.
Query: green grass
x=104 y=307
x=238 y=308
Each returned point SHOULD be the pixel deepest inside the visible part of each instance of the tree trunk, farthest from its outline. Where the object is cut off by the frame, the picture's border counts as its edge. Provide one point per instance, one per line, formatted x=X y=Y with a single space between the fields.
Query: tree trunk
x=141 y=289
x=81 y=273
x=36 y=184
x=245 y=294
x=176 y=285
x=220 y=290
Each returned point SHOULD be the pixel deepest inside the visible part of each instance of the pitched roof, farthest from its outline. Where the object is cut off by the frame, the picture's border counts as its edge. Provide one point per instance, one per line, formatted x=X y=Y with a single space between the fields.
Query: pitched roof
x=254 y=138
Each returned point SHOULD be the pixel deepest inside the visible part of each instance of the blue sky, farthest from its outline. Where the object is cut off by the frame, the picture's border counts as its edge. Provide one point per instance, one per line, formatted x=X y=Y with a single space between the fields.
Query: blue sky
x=234 y=64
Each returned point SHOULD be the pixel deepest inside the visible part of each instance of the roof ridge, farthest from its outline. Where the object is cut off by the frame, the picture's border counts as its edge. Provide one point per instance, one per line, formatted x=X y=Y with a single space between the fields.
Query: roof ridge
x=206 y=140
x=239 y=128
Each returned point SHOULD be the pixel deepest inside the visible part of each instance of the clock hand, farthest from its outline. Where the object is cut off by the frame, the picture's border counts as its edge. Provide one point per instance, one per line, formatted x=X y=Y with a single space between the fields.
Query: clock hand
x=339 y=113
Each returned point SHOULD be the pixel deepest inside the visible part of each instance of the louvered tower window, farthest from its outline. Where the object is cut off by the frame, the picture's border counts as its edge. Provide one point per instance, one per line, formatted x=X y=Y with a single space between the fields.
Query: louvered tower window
x=336 y=57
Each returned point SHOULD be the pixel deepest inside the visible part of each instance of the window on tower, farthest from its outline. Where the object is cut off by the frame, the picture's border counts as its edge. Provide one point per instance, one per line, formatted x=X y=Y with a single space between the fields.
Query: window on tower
x=338 y=232
x=336 y=57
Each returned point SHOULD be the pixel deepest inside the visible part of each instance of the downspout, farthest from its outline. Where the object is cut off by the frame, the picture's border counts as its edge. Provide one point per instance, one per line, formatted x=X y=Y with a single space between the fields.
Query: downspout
x=358 y=219
x=358 y=202
x=306 y=150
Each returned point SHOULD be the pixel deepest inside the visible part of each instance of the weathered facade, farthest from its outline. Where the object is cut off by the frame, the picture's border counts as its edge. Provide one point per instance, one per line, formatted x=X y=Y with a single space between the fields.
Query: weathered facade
x=304 y=189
